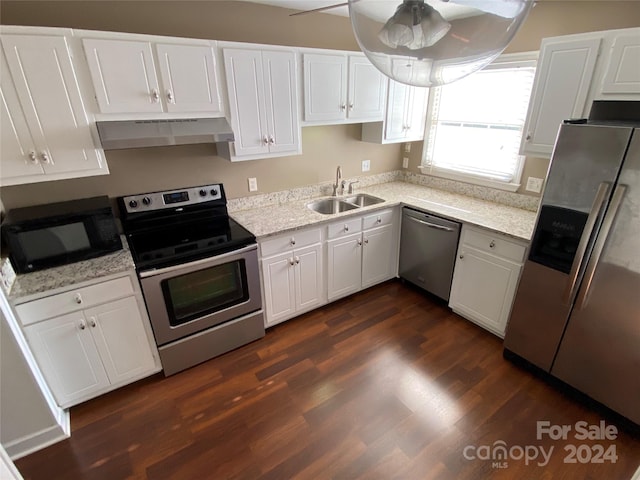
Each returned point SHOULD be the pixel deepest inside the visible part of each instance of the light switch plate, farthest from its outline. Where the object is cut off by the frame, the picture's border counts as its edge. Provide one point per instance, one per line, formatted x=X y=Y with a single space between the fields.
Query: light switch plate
x=366 y=165
x=405 y=162
x=407 y=147
x=253 y=184
x=534 y=184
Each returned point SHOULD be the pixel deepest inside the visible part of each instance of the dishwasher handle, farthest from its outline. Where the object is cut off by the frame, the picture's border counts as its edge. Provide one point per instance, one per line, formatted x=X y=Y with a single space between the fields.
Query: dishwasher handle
x=431 y=225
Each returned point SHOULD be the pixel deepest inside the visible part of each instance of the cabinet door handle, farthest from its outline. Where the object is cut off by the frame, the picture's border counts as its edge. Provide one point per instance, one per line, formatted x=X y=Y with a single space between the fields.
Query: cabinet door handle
x=297 y=260
x=265 y=140
x=492 y=244
x=343 y=107
x=45 y=158
x=528 y=137
x=82 y=325
x=461 y=256
x=366 y=241
x=77 y=298
x=155 y=96
x=292 y=241
x=346 y=227
x=291 y=262
x=351 y=106
x=271 y=140
x=92 y=322
x=359 y=242
x=170 y=97
x=378 y=220
x=33 y=158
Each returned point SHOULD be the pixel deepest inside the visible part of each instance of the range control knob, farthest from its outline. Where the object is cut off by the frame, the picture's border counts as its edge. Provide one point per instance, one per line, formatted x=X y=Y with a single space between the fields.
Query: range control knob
x=146 y=201
x=214 y=191
x=133 y=204
x=203 y=193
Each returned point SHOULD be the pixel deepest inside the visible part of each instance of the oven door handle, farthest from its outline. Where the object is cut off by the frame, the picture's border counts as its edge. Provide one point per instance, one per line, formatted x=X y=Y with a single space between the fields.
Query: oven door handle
x=202 y=261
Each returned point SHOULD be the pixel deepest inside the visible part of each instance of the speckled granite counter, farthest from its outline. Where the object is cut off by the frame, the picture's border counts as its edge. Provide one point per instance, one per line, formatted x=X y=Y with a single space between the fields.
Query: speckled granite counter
x=51 y=278
x=515 y=222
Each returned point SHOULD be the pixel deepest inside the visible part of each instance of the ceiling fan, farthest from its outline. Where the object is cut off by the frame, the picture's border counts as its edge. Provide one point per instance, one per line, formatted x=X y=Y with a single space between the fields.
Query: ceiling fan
x=432 y=42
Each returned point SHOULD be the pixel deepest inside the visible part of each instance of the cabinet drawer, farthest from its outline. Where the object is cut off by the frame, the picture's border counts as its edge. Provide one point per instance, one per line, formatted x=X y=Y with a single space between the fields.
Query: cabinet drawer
x=495 y=244
x=283 y=243
x=377 y=219
x=75 y=299
x=345 y=227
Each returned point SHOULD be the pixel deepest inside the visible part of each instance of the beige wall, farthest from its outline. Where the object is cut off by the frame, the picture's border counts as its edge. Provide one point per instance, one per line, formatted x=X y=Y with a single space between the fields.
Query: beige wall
x=135 y=171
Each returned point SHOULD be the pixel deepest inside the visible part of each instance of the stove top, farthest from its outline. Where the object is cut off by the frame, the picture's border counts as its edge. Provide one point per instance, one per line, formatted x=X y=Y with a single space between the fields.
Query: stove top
x=178 y=226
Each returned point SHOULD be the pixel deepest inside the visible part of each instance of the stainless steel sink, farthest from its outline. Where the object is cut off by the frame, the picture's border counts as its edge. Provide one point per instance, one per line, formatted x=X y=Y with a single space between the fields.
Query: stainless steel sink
x=363 y=200
x=328 y=206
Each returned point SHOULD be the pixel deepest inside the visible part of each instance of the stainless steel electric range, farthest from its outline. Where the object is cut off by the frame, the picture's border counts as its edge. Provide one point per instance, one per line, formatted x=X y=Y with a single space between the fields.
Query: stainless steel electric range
x=198 y=269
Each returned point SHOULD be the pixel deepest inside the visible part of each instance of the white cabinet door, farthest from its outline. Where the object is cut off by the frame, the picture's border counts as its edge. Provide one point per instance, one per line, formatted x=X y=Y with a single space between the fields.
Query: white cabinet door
x=397 y=104
x=416 y=116
x=367 y=89
x=483 y=288
x=68 y=357
x=17 y=148
x=560 y=89
x=121 y=339
x=308 y=277
x=48 y=92
x=622 y=74
x=280 y=101
x=189 y=78
x=377 y=255
x=124 y=75
x=344 y=260
x=279 y=287
x=245 y=82
x=325 y=87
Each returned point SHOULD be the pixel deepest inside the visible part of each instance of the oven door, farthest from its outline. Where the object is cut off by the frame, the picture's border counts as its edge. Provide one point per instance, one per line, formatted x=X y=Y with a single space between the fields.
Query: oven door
x=188 y=298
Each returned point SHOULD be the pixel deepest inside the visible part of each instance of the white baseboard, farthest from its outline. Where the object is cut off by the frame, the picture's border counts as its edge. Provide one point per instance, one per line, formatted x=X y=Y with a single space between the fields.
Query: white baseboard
x=22 y=447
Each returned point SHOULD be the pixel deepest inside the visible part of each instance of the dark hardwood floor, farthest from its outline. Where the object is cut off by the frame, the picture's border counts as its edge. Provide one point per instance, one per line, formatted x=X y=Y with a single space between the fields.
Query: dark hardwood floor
x=386 y=384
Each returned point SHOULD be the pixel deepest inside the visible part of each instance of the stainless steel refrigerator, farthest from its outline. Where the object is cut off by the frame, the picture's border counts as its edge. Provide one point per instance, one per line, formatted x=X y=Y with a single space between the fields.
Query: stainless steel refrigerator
x=577 y=308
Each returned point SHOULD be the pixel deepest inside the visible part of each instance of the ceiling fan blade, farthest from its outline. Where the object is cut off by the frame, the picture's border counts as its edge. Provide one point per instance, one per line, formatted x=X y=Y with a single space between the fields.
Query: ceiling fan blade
x=321 y=9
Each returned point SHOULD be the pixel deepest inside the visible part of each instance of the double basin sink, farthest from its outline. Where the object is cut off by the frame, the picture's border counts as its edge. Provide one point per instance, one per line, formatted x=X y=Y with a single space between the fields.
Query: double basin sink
x=333 y=205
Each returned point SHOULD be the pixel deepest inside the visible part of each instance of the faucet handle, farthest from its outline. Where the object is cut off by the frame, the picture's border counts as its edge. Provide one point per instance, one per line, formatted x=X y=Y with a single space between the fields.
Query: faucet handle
x=351 y=185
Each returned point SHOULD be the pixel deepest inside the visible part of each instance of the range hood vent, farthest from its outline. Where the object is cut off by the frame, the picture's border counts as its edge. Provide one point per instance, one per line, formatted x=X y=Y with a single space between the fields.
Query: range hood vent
x=116 y=135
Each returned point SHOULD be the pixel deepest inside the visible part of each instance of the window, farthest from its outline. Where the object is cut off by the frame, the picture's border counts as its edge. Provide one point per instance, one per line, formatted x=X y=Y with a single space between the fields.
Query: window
x=474 y=125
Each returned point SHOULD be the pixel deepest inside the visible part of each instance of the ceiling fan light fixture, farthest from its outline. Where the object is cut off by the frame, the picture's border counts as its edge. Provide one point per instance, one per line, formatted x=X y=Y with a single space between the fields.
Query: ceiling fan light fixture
x=428 y=43
x=414 y=25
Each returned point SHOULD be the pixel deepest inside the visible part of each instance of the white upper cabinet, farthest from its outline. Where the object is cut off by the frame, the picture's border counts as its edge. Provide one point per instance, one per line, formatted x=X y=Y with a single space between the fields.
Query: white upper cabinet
x=622 y=73
x=262 y=103
x=405 y=116
x=126 y=80
x=573 y=71
x=560 y=89
x=341 y=88
x=188 y=75
x=124 y=75
x=45 y=129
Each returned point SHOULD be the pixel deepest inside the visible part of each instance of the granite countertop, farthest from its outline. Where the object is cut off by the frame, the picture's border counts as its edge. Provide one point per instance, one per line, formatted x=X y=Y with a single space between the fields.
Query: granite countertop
x=514 y=222
x=26 y=284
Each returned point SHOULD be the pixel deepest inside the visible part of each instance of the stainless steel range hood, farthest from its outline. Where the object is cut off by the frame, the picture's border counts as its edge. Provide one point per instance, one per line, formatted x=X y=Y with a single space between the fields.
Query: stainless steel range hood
x=157 y=133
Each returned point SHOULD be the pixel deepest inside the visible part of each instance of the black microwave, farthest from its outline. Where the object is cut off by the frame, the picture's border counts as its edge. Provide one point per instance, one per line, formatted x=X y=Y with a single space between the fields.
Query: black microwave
x=55 y=234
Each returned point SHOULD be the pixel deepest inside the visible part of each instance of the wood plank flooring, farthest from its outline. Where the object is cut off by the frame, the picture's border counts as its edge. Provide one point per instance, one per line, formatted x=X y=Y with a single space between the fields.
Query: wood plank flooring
x=385 y=384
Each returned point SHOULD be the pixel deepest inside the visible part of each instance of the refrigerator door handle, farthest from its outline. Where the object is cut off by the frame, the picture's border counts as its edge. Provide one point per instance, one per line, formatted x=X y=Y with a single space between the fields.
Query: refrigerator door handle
x=599 y=200
x=607 y=223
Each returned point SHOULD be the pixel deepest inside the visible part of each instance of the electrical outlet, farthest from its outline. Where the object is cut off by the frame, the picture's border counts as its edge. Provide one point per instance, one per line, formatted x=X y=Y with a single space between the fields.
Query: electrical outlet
x=534 y=184
x=407 y=147
x=366 y=165
x=253 y=184
x=405 y=162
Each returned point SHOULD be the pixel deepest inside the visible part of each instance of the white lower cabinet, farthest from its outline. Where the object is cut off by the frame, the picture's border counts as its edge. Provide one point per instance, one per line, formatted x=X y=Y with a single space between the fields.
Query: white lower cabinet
x=94 y=349
x=361 y=252
x=293 y=278
x=485 y=277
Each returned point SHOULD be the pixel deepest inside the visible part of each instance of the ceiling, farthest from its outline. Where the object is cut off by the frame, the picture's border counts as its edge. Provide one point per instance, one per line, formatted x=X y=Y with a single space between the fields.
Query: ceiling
x=308 y=5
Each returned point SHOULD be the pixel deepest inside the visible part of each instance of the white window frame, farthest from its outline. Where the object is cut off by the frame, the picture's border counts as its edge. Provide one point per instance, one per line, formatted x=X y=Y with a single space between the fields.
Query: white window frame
x=527 y=59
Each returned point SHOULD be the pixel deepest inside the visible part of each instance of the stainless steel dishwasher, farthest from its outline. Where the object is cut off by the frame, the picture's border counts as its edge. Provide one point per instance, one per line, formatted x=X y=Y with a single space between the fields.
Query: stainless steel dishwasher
x=428 y=247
